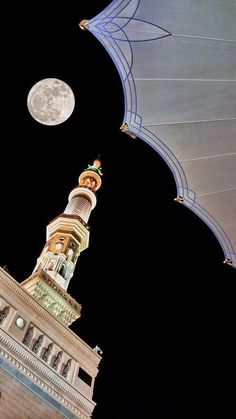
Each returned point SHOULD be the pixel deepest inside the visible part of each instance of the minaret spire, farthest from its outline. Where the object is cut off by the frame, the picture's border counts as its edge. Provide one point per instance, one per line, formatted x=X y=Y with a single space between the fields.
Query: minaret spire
x=67 y=236
x=82 y=198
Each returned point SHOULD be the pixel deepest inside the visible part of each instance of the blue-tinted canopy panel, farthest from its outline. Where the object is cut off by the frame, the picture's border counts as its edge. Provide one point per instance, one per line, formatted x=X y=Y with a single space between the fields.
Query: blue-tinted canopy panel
x=177 y=63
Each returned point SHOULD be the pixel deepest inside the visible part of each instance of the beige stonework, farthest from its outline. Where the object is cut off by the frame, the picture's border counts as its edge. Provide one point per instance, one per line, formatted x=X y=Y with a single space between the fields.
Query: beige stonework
x=17 y=401
x=27 y=332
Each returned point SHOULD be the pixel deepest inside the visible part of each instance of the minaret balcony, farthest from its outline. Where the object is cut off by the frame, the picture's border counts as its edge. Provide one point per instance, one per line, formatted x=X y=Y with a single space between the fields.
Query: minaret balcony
x=70 y=224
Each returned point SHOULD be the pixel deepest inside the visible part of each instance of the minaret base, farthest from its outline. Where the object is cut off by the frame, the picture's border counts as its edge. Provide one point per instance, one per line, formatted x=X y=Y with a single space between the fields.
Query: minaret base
x=51 y=296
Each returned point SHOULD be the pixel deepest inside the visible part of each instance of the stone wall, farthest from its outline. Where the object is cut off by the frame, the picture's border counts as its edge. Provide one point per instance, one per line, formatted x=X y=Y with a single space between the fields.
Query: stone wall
x=17 y=401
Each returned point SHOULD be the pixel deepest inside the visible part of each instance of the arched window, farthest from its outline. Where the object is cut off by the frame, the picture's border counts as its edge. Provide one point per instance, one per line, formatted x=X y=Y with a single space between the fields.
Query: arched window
x=28 y=336
x=3 y=314
x=66 y=368
x=51 y=266
x=47 y=352
x=61 y=270
x=37 y=344
x=58 y=247
x=70 y=255
x=57 y=361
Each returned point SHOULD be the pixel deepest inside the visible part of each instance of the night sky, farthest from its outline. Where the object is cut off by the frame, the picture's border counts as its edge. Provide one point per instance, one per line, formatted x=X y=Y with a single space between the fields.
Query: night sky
x=156 y=296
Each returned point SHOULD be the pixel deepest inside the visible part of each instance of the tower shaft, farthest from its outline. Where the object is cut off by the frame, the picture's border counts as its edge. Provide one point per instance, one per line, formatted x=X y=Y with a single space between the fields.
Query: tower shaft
x=67 y=237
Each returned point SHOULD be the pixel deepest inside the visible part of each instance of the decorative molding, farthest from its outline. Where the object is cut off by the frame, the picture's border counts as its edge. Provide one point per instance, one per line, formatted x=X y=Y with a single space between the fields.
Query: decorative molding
x=56 y=300
x=37 y=365
x=72 y=216
x=20 y=322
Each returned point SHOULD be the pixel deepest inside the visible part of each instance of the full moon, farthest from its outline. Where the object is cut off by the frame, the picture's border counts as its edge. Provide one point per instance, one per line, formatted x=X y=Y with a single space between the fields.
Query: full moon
x=51 y=101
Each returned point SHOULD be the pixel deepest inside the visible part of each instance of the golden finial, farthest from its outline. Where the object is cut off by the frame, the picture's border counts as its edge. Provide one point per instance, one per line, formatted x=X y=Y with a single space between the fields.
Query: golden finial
x=97 y=162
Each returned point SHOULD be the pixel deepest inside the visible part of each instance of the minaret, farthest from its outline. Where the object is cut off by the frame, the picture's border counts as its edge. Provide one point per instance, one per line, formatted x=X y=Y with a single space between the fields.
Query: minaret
x=67 y=236
x=46 y=370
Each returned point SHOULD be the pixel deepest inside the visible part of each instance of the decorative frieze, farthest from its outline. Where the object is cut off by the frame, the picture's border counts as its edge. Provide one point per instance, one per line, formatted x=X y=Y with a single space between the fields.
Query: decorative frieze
x=51 y=296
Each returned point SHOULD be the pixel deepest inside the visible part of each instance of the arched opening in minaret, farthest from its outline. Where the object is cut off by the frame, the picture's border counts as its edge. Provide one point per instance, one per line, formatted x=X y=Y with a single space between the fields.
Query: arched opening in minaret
x=61 y=271
x=51 y=265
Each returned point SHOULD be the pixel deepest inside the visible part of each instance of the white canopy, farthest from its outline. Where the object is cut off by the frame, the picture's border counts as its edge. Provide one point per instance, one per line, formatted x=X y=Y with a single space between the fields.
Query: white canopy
x=177 y=63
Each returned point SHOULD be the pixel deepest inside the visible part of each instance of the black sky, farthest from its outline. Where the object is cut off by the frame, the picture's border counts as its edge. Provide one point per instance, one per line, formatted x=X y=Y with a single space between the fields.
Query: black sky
x=156 y=296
